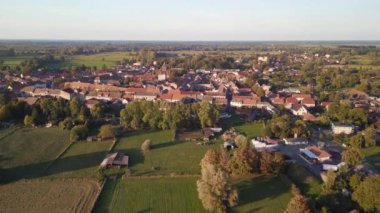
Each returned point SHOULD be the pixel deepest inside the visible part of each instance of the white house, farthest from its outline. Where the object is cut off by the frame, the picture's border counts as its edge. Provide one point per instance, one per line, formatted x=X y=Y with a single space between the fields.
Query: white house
x=339 y=128
x=296 y=141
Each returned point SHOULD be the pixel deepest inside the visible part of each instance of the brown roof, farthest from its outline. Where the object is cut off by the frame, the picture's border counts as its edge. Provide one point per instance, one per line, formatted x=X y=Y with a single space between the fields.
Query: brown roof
x=318 y=152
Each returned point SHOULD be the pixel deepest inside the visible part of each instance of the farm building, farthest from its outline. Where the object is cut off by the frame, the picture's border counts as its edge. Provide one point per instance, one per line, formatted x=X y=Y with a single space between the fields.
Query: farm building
x=295 y=141
x=314 y=152
x=116 y=159
x=339 y=128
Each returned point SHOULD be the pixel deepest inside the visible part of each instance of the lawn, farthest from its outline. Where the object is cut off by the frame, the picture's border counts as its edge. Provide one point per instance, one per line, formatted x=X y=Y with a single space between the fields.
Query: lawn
x=373 y=155
x=166 y=156
x=251 y=129
x=263 y=194
x=48 y=196
x=308 y=184
x=150 y=195
x=27 y=152
x=82 y=159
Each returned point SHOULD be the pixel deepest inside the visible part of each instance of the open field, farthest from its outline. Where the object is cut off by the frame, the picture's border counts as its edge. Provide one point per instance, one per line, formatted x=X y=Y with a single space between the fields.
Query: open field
x=165 y=157
x=27 y=152
x=48 y=195
x=263 y=194
x=308 y=184
x=6 y=131
x=251 y=129
x=151 y=195
x=373 y=155
x=98 y=60
x=15 y=60
x=82 y=159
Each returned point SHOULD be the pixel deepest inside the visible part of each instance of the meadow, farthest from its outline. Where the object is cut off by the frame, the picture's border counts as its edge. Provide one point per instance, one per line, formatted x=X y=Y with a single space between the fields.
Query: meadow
x=305 y=181
x=151 y=195
x=48 y=195
x=81 y=160
x=98 y=60
x=27 y=152
x=251 y=129
x=167 y=156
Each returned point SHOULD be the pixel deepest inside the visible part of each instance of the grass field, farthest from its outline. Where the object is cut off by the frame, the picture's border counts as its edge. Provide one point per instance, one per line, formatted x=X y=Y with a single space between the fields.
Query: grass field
x=151 y=195
x=98 y=60
x=48 y=196
x=263 y=194
x=15 y=60
x=308 y=184
x=165 y=157
x=251 y=129
x=82 y=159
x=27 y=152
x=373 y=155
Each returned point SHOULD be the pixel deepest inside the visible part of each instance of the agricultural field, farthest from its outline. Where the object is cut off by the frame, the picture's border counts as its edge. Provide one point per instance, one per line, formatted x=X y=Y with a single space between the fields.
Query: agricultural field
x=166 y=156
x=98 y=60
x=48 y=195
x=82 y=160
x=15 y=60
x=150 y=195
x=373 y=155
x=27 y=152
x=263 y=194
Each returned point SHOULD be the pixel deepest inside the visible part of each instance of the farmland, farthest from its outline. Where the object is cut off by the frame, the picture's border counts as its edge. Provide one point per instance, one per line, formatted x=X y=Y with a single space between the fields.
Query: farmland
x=28 y=151
x=140 y=195
x=308 y=184
x=80 y=160
x=165 y=157
x=47 y=195
x=98 y=60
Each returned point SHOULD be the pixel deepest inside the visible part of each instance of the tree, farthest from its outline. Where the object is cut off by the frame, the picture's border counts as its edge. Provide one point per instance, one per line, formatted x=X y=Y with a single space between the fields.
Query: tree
x=106 y=132
x=355 y=181
x=271 y=163
x=75 y=106
x=78 y=133
x=146 y=146
x=241 y=141
x=28 y=120
x=98 y=111
x=328 y=186
x=367 y=194
x=352 y=157
x=208 y=114
x=369 y=137
x=357 y=141
x=244 y=161
x=298 y=204
x=214 y=185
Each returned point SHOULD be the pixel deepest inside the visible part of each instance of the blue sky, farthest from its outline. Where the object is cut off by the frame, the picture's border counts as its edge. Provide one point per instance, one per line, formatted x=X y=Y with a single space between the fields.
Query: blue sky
x=191 y=19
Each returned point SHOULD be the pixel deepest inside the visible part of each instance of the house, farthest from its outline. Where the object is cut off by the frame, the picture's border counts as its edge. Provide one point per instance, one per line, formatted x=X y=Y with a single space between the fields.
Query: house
x=265 y=144
x=299 y=110
x=296 y=141
x=145 y=95
x=116 y=159
x=340 y=128
x=315 y=153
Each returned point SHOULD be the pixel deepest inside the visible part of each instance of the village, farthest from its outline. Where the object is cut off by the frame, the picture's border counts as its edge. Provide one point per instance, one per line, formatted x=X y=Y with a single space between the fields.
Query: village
x=293 y=121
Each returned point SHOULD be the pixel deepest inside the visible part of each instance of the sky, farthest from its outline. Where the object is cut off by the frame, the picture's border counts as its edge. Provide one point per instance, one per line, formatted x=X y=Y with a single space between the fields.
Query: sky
x=191 y=20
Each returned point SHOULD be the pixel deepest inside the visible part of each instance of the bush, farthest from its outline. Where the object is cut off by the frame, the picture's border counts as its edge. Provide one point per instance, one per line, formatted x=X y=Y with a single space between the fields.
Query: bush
x=79 y=132
x=106 y=132
x=146 y=146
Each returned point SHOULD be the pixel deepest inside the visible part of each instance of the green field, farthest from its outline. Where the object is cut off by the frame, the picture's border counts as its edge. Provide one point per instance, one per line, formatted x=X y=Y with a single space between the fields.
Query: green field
x=82 y=159
x=151 y=195
x=48 y=196
x=373 y=155
x=165 y=157
x=251 y=129
x=98 y=60
x=15 y=60
x=308 y=184
x=28 y=151
x=263 y=194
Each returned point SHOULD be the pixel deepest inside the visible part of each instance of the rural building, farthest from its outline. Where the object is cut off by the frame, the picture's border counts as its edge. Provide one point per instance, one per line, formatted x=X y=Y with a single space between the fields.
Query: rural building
x=116 y=159
x=296 y=141
x=315 y=153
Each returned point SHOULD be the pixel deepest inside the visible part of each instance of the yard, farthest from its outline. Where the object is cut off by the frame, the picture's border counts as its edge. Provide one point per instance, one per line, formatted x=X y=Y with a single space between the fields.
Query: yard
x=251 y=129
x=82 y=159
x=166 y=156
x=308 y=184
x=150 y=195
x=48 y=195
x=28 y=151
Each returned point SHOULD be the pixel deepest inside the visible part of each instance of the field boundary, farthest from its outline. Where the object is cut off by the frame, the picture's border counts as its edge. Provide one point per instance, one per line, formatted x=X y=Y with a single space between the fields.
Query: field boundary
x=58 y=157
x=10 y=133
